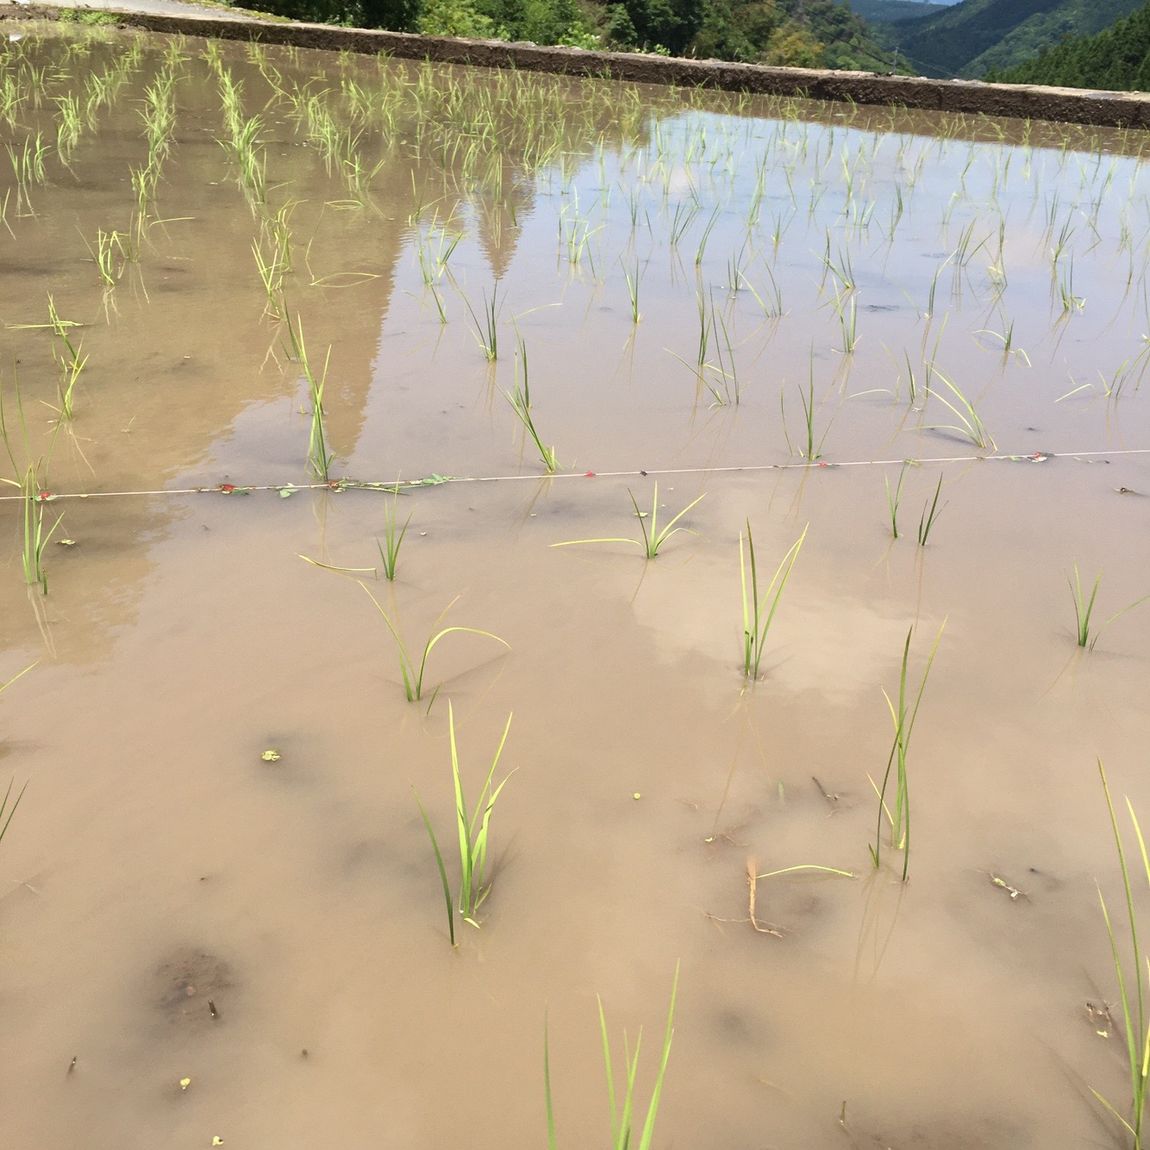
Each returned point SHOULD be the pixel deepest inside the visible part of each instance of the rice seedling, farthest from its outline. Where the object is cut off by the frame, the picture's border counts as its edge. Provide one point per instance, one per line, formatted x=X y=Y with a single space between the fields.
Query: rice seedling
x=392 y=539
x=473 y=826
x=487 y=329
x=34 y=537
x=701 y=249
x=632 y=278
x=27 y=168
x=846 y=309
x=808 y=449
x=903 y=717
x=893 y=498
x=413 y=673
x=759 y=610
x=520 y=400
x=652 y=536
x=1133 y=981
x=1086 y=633
x=110 y=255
x=930 y=513
x=6 y=811
x=271 y=273
x=623 y=1111
x=318 y=456
x=69 y=126
x=970 y=425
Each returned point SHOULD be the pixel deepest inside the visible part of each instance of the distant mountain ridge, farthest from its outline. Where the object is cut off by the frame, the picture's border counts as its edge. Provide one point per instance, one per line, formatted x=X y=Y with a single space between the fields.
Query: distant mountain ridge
x=975 y=37
x=890 y=11
x=1117 y=58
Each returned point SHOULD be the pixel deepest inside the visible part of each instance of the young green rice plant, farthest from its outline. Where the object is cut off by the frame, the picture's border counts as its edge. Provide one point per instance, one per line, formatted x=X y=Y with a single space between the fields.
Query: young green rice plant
x=6 y=810
x=473 y=826
x=846 y=309
x=27 y=168
x=520 y=400
x=69 y=125
x=487 y=326
x=808 y=449
x=34 y=537
x=392 y=539
x=413 y=673
x=111 y=255
x=1131 y=976
x=903 y=717
x=701 y=249
x=759 y=609
x=625 y=1134
x=930 y=512
x=318 y=456
x=893 y=498
x=632 y=278
x=969 y=425
x=1086 y=633
x=653 y=537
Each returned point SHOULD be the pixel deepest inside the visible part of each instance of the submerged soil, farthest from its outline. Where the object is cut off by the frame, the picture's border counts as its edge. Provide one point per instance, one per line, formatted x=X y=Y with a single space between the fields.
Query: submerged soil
x=199 y=940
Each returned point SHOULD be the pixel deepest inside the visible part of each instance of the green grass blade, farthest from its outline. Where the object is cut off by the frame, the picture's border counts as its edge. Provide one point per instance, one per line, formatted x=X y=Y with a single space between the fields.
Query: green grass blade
x=657 y=1092
x=442 y=870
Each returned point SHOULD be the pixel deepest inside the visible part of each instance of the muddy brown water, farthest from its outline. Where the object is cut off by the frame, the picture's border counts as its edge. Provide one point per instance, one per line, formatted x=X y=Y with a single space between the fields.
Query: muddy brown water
x=158 y=864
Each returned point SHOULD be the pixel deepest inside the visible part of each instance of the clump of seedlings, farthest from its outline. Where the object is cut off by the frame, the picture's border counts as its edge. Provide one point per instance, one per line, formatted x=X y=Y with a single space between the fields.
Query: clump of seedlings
x=413 y=673
x=652 y=537
x=626 y=1133
x=1132 y=976
x=319 y=457
x=520 y=400
x=473 y=827
x=392 y=540
x=759 y=610
x=1086 y=632
x=903 y=716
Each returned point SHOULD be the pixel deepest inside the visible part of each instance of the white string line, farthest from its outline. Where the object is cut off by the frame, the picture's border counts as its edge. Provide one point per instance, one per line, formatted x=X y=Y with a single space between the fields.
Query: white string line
x=389 y=486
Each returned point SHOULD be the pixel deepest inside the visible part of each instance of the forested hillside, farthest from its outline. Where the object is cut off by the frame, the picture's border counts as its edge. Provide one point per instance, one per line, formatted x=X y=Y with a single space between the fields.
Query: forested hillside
x=1117 y=58
x=979 y=36
x=889 y=11
x=811 y=33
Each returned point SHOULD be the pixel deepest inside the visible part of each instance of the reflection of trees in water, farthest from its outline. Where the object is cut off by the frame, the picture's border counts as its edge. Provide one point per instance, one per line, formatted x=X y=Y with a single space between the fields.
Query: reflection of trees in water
x=377 y=153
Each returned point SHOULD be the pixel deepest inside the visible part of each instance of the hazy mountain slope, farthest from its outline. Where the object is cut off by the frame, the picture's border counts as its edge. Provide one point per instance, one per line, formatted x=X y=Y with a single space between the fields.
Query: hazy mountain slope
x=1117 y=58
x=889 y=11
x=976 y=36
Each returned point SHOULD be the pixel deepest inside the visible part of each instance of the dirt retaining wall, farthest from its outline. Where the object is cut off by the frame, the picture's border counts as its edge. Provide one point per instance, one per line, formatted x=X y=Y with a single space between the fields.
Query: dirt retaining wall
x=1066 y=105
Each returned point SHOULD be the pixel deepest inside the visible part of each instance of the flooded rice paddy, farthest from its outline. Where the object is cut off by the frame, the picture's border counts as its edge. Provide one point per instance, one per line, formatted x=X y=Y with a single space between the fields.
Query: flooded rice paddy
x=243 y=291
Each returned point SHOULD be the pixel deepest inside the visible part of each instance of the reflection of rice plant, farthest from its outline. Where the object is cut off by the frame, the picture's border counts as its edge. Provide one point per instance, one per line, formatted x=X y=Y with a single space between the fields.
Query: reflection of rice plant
x=652 y=538
x=624 y=1135
x=413 y=674
x=757 y=615
x=1133 y=983
x=473 y=827
x=903 y=716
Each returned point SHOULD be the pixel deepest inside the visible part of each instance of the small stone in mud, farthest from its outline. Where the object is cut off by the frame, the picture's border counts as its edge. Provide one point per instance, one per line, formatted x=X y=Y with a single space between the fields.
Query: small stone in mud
x=186 y=979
